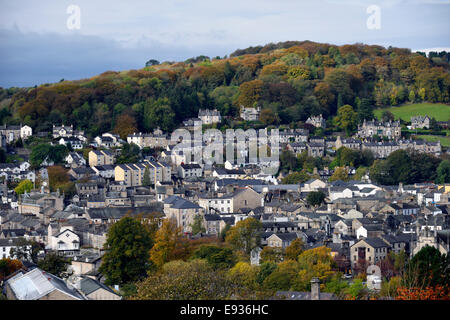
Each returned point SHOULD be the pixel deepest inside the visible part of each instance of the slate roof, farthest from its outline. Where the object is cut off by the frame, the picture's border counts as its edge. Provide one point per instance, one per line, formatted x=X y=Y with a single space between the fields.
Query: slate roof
x=13 y=233
x=212 y=217
x=376 y=242
x=119 y=212
x=88 y=286
x=287 y=236
x=9 y=242
x=180 y=203
x=239 y=182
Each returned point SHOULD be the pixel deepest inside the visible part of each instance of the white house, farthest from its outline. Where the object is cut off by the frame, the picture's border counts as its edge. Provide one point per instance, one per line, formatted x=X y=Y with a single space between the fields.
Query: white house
x=190 y=170
x=313 y=185
x=250 y=114
x=5 y=247
x=65 y=242
x=25 y=132
x=75 y=143
x=340 y=192
x=75 y=159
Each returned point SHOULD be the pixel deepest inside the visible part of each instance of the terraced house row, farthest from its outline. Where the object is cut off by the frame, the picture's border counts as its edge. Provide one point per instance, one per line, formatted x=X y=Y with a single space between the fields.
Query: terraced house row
x=132 y=174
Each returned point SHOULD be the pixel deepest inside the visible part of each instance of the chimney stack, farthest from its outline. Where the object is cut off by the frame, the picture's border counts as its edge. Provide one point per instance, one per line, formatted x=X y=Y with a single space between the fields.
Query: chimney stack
x=315 y=289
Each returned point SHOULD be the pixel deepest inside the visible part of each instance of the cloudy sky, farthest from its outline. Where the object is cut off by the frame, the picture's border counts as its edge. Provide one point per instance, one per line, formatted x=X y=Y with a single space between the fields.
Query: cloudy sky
x=40 y=40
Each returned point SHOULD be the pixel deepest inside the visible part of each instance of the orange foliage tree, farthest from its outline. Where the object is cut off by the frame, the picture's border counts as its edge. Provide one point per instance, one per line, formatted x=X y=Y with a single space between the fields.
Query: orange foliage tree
x=9 y=266
x=125 y=125
x=249 y=93
x=437 y=292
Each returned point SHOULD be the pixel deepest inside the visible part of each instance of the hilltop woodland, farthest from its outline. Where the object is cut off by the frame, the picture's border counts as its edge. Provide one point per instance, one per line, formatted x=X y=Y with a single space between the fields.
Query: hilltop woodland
x=162 y=264
x=290 y=81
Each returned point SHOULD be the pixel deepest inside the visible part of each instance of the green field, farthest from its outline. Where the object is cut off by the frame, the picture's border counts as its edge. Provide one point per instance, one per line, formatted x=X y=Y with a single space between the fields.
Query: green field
x=439 y=111
x=445 y=141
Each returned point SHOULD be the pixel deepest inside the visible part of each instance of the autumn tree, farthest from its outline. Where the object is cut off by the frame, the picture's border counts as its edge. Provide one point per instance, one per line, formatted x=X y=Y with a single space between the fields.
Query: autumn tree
x=24 y=186
x=245 y=235
x=243 y=275
x=294 y=249
x=325 y=97
x=283 y=277
x=272 y=254
x=315 y=262
x=437 y=292
x=340 y=173
x=217 y=257
x=346 y=119
x=268 y=117
x=167 y=239
x=180 y=280
x=249 y=93
x=59 y=180
x=296 y=177
x=125 y=125
x=9 y=266
x=127 y=252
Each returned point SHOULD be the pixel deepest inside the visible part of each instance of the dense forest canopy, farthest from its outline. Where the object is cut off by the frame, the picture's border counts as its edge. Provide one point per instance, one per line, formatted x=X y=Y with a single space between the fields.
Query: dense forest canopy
x=293 y=79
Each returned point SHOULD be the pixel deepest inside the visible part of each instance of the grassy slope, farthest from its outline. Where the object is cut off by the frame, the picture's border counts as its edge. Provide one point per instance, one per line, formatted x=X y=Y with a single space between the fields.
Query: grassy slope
x=437 y=110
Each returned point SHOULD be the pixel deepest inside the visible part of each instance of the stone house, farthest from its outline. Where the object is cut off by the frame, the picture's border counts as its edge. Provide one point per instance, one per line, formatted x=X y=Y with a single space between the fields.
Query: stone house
x=37 y=203
x=391 y=129
x=74 y=159
x=182 y=211
x=132 y=174
x=101 y=157
x=317 y=121
x=10 y=132
x=316 y=149
x=81 y=172
x=190 y=170
x=250 y=114
x=75 y=143
x=297 y=147
x=108 y=140
x=209 y=116
x=281 y=240
x=369 y=250
x=157 y=139
x=420 y=122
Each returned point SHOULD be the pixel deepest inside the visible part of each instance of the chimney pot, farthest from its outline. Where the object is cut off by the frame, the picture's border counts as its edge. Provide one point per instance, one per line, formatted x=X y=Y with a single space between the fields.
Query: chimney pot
x=315 y=289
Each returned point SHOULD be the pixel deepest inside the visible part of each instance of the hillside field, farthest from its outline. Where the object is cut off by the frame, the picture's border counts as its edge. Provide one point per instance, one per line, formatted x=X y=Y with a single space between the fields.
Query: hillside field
x=441 y=112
